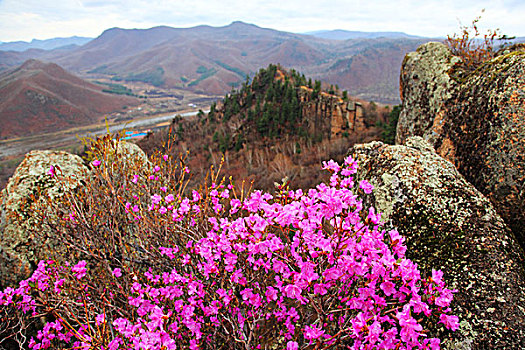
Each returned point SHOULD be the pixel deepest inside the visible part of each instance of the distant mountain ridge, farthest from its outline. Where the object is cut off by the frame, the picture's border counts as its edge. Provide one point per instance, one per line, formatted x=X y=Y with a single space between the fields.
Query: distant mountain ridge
x=49 y=44
x=212 y=60
x=340 y=34
x=42 y=97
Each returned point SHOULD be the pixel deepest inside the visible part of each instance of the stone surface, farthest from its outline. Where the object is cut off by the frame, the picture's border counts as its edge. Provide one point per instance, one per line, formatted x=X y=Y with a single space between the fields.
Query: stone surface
x=424 y=85
x=475 y=120
x=450 y=225
x=29 y=187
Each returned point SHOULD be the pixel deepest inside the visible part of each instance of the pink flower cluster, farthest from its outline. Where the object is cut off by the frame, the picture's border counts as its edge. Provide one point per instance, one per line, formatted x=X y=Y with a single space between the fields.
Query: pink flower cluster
x=296 y=268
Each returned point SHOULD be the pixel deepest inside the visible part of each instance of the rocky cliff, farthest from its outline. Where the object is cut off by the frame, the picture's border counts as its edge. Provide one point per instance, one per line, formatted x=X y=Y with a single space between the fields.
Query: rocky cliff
x=332 y=115
x=475 y=120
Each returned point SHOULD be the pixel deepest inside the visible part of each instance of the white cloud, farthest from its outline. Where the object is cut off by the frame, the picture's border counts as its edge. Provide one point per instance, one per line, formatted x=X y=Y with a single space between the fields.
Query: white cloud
x=27 y=19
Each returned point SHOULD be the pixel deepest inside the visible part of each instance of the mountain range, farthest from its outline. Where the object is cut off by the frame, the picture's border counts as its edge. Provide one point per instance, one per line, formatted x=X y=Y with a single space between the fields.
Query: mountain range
x=212 y=60
x=48 y=44
x=339 y=34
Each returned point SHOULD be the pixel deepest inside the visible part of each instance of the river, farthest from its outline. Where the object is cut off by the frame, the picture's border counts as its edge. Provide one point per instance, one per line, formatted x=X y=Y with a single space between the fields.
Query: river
x=68 y=138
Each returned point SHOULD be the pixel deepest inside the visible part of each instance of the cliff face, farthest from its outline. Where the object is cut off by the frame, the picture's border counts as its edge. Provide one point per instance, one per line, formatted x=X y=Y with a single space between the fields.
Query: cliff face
x=332 y=115
x=476 y=121
x=449 y=225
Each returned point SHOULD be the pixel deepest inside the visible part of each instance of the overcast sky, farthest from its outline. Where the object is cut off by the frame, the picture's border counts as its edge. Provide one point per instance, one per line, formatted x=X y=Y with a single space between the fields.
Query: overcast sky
x=44 y=19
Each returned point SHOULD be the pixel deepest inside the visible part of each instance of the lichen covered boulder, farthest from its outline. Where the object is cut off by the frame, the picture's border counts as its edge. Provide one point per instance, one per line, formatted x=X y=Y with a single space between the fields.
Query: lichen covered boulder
x=476 y=120
x=31 y=186
x=449 y=225
x=424 y=85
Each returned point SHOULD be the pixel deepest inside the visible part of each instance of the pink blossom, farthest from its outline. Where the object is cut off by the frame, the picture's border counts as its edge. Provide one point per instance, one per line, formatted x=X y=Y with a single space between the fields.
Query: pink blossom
x=366 y=186
x=450 y=321
x=313 y=332
x=51 y=171
x=388 y=288
x=117 y=272
x=100 y=319
x=96 y=162
x=155 y=199
x=292 y=291
x=79 y=269
x=445 y=298
x=331 y=165
x=292 y=345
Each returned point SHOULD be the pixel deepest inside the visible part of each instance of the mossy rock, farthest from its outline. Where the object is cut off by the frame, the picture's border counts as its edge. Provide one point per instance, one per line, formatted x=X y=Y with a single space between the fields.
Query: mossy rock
x=32 y=187
x=475 y=120
x=425 y=84
x=449 y=225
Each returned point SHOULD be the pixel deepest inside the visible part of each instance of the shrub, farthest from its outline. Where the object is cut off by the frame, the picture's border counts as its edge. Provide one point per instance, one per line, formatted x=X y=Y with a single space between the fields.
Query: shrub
x=149 y=264
x=473 y=48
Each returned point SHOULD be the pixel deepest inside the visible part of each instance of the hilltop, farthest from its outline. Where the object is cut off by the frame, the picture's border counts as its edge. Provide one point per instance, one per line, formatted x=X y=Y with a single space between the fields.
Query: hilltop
x=278 y=125
x=42 y=97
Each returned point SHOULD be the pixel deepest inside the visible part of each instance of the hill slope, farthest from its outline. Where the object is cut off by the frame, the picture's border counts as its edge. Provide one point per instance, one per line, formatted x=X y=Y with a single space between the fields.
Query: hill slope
x=42 y=97
x=339 y=34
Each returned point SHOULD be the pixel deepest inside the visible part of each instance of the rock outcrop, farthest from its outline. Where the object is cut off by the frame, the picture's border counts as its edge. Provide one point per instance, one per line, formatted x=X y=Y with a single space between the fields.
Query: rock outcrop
x=475 y=120
x=331 y=114
x=30 y=186
x=450 y=225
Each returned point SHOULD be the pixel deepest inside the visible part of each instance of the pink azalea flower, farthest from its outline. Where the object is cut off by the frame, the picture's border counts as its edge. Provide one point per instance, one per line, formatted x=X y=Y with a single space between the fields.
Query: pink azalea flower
x=80 y=269
x=450 y=321
x=51 y=171
x=292 y=291
x=292 y=345
x=100 y=319
x=388 y=288
x=313 y=332
x=366 y=186
x=96 y=162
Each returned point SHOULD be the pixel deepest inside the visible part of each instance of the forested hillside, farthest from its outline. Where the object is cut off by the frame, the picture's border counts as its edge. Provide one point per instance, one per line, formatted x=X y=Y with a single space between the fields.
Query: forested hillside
x=278 y=125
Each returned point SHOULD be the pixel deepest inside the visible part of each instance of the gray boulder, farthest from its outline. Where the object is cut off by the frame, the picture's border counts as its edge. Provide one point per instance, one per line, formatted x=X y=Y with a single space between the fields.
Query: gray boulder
x=449 y=225
x=31 y=193
x=424 y=85
x=30 y=188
